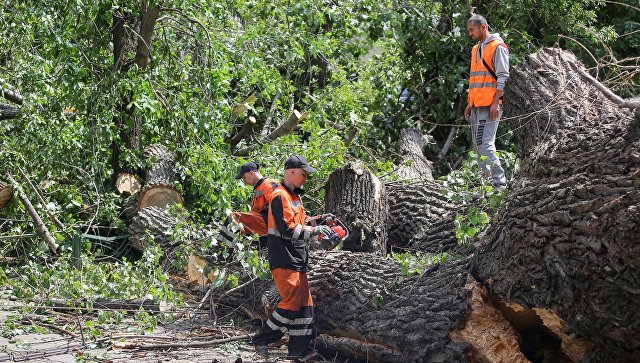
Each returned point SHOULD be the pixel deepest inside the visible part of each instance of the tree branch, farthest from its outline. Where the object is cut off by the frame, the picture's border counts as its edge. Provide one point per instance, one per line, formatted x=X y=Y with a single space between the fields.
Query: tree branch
x=624 y=103
x=243 y=133
x=44 y=231
x=149 y=18
x=283 y=129
x=447 y=145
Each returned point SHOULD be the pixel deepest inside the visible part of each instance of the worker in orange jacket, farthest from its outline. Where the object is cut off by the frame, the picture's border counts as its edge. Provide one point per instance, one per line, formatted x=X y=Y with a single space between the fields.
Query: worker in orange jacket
x=489 y=72
x=289 y=233
x=254 y=221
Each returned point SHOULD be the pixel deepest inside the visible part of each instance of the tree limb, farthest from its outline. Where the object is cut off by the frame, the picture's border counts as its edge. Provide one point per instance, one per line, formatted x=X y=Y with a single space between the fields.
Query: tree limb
x=624 y=103
x=149 y=18
x=243 y=133
x=44 y=231
x=447 y=145
x=55 y=220
x=282 y=130
x=267 y=122
x=12 y=96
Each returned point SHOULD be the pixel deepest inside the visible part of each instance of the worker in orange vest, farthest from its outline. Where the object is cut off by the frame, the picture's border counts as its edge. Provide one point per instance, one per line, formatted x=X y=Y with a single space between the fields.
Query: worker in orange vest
x=254 y=221
x=290 y=231
x=489 y=72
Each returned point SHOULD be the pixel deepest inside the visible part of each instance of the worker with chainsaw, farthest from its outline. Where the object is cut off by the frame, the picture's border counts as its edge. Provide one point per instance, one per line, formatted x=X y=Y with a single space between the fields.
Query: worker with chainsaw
x=489 y=72
x=290 y=232
x=254 y=221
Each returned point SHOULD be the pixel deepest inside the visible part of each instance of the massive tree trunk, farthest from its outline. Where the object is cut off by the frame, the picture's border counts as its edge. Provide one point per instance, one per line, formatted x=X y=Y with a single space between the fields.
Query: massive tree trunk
x=567 y=235
x=357 y=197
x=556 y=276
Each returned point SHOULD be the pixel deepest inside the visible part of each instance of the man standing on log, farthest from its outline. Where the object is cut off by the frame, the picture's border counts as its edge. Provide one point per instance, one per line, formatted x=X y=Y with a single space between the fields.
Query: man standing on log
x=254 y=221
x=289 y=234
x=489 y=71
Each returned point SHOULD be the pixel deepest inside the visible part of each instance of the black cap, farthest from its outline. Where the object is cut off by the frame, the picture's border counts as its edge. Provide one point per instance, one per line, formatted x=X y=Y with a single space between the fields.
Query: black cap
x=246 y=167
x=298 y=162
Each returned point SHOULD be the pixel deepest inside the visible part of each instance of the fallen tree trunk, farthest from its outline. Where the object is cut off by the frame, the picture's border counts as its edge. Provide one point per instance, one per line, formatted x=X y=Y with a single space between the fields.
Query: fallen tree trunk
x=357 y=197
x=413 y=165
x=566 y=237
x=556 y=276
x=151 y=225
x=414 y=209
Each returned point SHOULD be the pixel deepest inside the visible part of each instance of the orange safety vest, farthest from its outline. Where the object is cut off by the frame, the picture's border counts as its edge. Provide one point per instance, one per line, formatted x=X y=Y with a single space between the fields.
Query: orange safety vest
x=482 y=84
x=288 y=235
x=262 y=194
x=255 y=221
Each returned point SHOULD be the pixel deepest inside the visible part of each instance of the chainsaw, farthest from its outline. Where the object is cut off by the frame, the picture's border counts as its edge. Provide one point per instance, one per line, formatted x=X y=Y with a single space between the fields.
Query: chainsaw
x=339 y=234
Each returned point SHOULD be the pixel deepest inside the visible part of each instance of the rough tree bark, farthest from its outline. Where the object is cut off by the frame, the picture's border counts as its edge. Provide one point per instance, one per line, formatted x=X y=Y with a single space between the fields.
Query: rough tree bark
x=567 y=235
x=358 y=198
x=151 y=224
x=416 y=203
x=413 y=165
x=158 y=190
x=556 y=276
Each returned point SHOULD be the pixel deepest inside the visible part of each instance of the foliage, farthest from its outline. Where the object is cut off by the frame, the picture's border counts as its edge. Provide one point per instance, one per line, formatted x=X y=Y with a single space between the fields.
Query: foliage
x=467 y=187
x=416 y=264
x=143 y=279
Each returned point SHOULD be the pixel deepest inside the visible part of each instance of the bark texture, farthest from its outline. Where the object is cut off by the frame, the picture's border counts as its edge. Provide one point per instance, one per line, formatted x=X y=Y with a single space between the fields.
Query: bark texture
x=566 y=237
x=358 y=198
x=151 y=224
x=413 y=165
x=158 y=190
x=414 y=210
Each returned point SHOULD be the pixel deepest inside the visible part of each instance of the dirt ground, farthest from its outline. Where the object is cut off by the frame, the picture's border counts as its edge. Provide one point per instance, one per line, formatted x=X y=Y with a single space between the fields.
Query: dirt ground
x=61 y=342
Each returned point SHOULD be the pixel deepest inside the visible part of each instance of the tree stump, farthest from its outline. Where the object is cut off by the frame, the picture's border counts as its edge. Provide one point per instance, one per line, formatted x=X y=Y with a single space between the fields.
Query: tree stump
x=358 y=198
x=6 y=193
x=158 y=190
x=566 y=237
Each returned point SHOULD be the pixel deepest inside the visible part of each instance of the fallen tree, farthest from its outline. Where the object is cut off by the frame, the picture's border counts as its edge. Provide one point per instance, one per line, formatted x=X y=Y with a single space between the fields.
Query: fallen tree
x=555 y=277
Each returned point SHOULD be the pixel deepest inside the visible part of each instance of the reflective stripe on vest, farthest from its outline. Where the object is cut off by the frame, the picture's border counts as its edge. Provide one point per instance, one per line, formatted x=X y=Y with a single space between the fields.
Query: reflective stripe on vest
x=482 y=85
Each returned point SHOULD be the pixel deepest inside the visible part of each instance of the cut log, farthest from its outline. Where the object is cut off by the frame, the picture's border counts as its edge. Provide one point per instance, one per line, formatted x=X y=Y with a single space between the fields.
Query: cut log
x=358 y=198
x=414 y=208
x=151 y=224
x=6 y=193
x=159 y=195
x=127 y=184
x=158 y=190
x=566 y=237
x=412 y=164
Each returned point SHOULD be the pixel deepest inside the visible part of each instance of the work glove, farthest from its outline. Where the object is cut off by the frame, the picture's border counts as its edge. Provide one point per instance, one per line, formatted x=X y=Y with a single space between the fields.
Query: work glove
x=323 y=218
x=325 y=230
